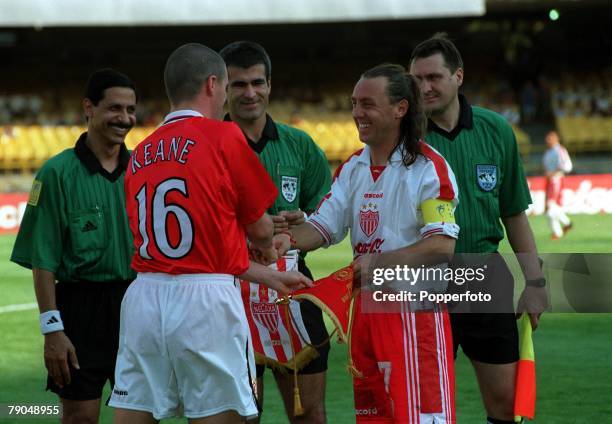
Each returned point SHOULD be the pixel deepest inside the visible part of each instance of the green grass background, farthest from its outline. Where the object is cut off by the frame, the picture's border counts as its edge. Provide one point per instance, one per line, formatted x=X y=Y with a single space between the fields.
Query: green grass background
x=573 y=351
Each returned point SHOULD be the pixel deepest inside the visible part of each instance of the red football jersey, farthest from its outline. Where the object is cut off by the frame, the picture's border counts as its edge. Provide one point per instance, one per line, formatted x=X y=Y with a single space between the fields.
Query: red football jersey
x=191 y=187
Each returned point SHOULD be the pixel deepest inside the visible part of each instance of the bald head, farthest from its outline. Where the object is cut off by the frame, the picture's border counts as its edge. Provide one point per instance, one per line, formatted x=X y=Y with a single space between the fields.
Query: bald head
x=187 y=68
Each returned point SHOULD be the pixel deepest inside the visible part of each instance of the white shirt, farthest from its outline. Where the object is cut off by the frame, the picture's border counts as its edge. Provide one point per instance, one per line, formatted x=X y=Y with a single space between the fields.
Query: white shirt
x=556 y=159
x=385 y=214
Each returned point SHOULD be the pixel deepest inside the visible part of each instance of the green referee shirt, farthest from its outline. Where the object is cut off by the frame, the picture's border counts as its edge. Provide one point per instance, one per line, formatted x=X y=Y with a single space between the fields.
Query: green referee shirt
x=296 y=164
x=483 y=154
x=75 y=224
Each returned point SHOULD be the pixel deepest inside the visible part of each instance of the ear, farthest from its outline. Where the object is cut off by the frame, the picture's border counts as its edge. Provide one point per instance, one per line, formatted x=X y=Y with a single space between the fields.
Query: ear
x=459 y=74
x=211 y=84
x=269 y=85
x=401 y=109
x=88 y=107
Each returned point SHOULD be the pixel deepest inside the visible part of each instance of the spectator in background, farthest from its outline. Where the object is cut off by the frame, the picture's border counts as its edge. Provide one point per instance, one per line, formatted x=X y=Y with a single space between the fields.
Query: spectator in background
x=556 y=163
x=528 y=102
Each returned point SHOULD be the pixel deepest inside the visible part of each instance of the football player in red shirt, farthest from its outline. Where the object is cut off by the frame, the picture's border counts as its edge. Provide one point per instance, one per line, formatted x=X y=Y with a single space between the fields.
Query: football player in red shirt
x=194 y=192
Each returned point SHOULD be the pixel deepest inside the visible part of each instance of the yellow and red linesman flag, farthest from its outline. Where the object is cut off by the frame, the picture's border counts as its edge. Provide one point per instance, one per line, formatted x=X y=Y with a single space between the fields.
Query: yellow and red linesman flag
x=333 y=295
x=525 y=391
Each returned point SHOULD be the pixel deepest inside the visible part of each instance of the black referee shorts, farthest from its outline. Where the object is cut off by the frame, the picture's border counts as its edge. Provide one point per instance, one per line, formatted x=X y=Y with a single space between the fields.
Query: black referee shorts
x=315 y=326
x=90 y=312
x=484 y=335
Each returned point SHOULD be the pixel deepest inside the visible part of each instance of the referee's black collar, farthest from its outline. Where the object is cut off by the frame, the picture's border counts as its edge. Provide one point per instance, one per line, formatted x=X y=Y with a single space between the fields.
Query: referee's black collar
x=466 y=120
x=270 y=132
x=91 y=162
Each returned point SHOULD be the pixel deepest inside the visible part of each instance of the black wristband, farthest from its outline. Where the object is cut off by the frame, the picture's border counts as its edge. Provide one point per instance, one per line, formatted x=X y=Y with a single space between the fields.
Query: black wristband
x=537 y=282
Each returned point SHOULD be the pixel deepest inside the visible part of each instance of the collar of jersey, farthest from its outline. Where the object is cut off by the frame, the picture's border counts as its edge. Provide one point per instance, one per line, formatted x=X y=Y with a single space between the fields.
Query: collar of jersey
x=364 y=157
x=466 y=120
x=181 y=114
x=91 y=162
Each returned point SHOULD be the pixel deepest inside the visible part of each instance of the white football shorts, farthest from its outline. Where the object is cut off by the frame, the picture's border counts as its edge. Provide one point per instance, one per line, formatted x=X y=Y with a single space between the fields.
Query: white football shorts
x=184 y=348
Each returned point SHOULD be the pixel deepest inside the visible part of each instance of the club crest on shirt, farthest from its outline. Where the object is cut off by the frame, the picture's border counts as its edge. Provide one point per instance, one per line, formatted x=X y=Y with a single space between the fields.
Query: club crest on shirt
x=266 y=314
x=486 y=176
x=289 y=187
x=369 y=218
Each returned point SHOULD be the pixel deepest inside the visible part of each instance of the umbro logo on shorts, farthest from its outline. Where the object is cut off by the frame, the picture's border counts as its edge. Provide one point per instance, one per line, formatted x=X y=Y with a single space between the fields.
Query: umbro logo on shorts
x=53 y=320
x=89 y=226
x=120 y=392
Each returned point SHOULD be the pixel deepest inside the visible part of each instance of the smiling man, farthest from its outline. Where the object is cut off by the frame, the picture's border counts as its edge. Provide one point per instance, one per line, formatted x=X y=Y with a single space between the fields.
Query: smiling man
x=75 y=232
x=481 y=148
x=387 y=194
x=300 y=171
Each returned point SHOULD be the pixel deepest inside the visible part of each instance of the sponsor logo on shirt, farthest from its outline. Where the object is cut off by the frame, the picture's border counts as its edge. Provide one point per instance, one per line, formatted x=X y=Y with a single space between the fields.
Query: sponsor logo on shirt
x=372 y=247
x=486 y=176
x=89 y=226
x=373 y=195
x=289 y=187
x=364 y=411
x=120 y=392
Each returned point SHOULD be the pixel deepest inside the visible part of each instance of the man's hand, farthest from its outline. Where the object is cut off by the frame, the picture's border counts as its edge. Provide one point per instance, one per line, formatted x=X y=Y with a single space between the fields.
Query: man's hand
x=293 y=218
x=264 y=256
x=362 y=272
x=58 y=351
x=280 y=223
x=286 y=282
x=282 y=243
x=533 y=301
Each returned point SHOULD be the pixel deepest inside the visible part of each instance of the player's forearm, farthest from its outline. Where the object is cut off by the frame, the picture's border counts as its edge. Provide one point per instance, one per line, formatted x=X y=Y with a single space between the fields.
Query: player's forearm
x=261 y=231
x=523 y=244
x=306 y=237
x=256 y=272
x=430 y=251
x=44 y=288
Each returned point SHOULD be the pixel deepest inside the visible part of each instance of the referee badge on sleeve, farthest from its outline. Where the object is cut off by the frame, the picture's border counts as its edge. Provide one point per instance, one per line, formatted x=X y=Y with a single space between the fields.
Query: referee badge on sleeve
x=486 y=175
x=35 y=193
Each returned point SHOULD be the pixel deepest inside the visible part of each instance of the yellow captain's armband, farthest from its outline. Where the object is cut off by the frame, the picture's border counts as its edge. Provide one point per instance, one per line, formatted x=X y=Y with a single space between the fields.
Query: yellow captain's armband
x=436 y=210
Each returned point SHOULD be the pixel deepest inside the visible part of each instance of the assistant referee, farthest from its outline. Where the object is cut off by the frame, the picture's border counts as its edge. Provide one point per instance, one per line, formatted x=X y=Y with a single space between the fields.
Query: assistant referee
x=481 y=149
x=75 y=238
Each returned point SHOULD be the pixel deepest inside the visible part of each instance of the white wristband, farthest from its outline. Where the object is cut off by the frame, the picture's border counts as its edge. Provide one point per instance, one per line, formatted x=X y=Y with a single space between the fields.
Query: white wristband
x=51 y=321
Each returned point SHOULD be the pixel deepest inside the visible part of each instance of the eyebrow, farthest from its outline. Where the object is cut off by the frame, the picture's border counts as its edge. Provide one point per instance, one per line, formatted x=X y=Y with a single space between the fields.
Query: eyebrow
x=253 y=81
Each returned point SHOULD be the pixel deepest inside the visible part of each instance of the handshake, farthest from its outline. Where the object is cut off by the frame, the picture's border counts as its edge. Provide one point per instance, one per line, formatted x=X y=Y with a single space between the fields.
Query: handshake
x=267 y=250
x=267 y=255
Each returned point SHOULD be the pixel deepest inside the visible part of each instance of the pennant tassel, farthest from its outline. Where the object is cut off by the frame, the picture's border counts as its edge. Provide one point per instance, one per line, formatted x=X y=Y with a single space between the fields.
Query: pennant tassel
x=352 y=369
x=297 y=402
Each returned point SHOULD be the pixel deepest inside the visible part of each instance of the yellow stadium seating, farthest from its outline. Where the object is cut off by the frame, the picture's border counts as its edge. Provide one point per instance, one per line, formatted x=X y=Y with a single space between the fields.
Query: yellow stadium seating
x=27 y=147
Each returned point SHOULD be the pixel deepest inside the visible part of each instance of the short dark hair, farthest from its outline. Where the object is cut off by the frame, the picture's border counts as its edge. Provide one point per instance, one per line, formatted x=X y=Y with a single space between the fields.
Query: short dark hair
x=439 y=43
x=105 y=78
x=244 y=54
x=400 y=86
x=187 y=68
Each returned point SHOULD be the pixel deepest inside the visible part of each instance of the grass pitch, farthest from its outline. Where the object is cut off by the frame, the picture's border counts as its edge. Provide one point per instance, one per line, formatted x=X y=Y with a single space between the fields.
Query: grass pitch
x=573 y=351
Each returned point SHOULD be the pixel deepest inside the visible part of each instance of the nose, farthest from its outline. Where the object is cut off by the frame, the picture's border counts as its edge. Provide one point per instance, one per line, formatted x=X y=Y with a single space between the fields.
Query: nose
x=249 y=91
x=357 y=111
x=124 y=116
x=424 y=85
